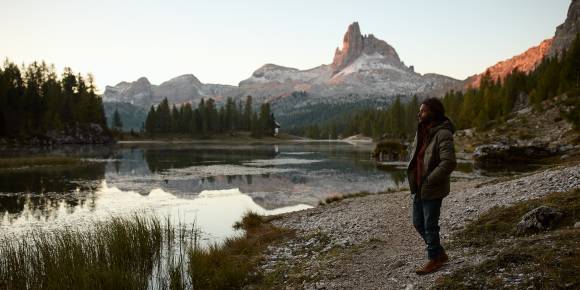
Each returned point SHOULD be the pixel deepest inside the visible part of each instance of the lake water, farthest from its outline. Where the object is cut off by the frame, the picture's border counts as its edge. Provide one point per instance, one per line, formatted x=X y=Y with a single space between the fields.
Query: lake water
x=211 y=185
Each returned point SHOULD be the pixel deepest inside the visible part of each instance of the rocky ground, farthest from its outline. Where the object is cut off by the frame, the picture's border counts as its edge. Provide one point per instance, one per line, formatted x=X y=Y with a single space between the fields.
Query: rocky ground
x=369 y=242
x=543 y=127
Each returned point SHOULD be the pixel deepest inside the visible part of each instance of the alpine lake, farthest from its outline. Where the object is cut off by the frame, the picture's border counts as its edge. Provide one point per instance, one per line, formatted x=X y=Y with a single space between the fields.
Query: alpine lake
x=210 y=184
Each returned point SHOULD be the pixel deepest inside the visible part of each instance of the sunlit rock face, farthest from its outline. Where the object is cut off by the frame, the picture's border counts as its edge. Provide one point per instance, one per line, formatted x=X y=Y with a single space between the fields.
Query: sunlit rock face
x=566 y=32
x=364 y=66
x=524 y=62
x=354 y=45
x=529 y=60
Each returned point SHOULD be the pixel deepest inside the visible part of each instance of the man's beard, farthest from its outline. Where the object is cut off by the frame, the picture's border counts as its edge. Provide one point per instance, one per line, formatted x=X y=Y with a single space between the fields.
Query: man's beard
x=426 y=120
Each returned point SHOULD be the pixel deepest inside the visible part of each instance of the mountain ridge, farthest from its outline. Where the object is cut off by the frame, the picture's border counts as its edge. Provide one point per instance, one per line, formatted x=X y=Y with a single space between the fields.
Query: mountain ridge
x=363 y=66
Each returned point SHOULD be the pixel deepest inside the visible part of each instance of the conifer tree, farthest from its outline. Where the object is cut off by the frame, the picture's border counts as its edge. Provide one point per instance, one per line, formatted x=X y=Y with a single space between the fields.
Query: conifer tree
x=117 y=123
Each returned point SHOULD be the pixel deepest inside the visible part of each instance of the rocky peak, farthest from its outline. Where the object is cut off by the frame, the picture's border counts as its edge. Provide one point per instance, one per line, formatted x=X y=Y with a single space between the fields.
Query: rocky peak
x=567 y=31
x=142 y=81
x=269 y=68
x=354 y=44
x=186 y=79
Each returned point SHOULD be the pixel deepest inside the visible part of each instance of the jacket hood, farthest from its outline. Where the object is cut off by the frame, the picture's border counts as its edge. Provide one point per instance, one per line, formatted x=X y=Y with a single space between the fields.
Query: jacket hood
x=445 y=124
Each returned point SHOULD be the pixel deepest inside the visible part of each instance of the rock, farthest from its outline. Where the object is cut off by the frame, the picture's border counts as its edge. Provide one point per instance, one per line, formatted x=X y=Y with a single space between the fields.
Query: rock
x=397 y=264
x=577 y=225
x=538 y=219
x=566 y=147
x=566 y=32
x=499 y=154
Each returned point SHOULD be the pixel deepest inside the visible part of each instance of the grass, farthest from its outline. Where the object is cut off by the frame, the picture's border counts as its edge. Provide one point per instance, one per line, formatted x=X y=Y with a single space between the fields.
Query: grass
x=545 y=260
x=6 y=163
x=135 y=252
x=119 y=253
x=500 y=222
x=233 y=264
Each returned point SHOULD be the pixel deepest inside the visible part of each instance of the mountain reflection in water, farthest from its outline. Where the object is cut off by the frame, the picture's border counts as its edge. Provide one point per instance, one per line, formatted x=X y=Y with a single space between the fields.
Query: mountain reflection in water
x=210 y=182
x=213 y=211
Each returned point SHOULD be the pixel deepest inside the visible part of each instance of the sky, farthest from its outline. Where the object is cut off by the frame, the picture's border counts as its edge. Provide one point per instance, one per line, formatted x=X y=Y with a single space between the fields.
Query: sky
x=223 y=41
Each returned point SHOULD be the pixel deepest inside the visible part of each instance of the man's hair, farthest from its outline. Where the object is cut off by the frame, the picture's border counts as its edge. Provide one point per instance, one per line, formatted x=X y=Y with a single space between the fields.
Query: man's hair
x=436 y=108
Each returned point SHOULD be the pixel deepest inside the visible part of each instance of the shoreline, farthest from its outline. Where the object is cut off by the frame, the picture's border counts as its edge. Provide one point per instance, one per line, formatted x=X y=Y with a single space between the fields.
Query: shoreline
x=369 y=242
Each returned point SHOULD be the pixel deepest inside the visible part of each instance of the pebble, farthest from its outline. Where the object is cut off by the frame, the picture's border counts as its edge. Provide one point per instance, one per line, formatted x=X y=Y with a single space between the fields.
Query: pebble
x=347 y=225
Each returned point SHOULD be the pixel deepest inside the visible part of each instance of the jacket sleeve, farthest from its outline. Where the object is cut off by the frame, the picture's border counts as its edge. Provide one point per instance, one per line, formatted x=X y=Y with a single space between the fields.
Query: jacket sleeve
x=447 y=162
x=412 y=150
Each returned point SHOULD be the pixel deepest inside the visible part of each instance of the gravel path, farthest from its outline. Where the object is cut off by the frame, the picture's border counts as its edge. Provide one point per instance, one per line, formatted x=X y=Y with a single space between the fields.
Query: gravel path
x=370 y=243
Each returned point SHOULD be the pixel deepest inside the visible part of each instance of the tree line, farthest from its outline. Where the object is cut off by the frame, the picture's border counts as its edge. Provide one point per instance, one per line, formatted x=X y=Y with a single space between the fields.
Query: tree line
x=492 y=101
x=495 y=99
x=207 y=119
x=397 y=120
x=35 y=100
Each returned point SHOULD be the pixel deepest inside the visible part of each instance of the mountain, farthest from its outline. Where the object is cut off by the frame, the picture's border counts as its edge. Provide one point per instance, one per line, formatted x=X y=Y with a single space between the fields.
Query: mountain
x=524 y=62
x=364 y=66
x=567 y=31
x=527 y=61
x=133 y=99
x=181 y=89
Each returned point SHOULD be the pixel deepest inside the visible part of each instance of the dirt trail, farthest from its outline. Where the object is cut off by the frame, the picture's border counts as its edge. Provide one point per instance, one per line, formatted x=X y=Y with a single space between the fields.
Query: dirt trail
x=369 y=242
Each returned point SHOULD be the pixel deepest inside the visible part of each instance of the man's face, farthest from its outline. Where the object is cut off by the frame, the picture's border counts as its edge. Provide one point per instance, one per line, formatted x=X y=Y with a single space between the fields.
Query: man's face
x=424 y=113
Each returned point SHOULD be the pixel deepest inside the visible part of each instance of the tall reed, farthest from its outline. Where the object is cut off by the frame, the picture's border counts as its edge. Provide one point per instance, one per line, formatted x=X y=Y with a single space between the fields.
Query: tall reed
x=119 y=253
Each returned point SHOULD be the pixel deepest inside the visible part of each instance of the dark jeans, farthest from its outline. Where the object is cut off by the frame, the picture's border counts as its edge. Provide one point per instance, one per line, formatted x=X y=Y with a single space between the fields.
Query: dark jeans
x=426 y=221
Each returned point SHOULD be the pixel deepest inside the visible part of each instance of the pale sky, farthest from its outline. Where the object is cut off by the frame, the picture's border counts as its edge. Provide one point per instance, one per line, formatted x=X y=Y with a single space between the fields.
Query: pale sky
x=223 y=41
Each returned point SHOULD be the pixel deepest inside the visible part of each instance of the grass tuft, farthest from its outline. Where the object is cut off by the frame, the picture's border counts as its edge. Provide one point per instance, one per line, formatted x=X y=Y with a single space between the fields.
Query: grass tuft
x=500 y=222
x=135 y=252
x=233 y=264
x=541 y=262
x=546 y=260
x=119 y=253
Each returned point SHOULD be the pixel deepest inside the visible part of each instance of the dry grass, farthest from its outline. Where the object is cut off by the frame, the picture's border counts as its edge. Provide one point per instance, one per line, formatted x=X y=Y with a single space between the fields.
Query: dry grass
x=137 y=252
x=500 y=222
x=545 y=260
x=119 y=253
x=233 y=264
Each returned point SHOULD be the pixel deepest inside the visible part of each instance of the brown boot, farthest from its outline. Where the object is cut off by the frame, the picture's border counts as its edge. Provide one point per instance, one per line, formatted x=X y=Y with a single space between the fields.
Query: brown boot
x=430 y=267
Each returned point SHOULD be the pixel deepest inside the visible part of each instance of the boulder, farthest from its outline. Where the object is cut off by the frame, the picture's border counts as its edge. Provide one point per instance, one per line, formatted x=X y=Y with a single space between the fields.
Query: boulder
x=501 y=154
x=539 y=219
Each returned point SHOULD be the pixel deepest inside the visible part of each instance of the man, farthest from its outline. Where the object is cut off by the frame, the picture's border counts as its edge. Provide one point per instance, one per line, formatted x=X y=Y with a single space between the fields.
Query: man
x=431 y=164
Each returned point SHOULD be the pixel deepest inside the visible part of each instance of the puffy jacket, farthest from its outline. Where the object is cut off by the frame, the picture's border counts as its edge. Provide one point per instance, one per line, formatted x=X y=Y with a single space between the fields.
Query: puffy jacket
x=439 y=162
